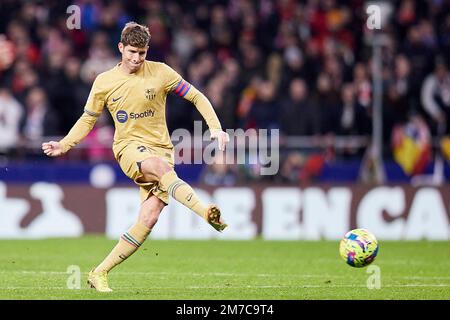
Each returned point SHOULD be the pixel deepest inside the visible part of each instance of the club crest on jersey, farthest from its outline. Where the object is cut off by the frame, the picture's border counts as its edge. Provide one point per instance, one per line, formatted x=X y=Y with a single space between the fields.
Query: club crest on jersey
x=122 y=116
x=150 y=93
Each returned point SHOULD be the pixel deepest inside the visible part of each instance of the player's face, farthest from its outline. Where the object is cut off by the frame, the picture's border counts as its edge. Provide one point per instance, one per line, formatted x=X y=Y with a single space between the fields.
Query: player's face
x=132 y=57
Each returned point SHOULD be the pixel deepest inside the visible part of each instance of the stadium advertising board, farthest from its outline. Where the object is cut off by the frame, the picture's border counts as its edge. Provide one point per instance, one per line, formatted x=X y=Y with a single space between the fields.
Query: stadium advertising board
x=314 y=212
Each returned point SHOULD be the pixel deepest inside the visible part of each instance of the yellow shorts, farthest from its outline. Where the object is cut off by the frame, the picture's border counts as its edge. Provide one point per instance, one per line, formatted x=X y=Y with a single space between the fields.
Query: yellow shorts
x=129 y=159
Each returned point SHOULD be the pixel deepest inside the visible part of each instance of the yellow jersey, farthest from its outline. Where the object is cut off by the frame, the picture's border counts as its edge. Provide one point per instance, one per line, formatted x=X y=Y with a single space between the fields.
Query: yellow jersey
x=137 y=103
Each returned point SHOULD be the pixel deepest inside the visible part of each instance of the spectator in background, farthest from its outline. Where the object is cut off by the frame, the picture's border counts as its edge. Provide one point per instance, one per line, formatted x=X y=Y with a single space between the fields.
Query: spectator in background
x=398 y=96
x=293 y=67
x=251 y=62
x=183 y=43
x=246 y=100
x=313 y=62
x=226 y=48
x=220 y=31
x=55 y=49
x=219 y=173
x=264 y=111
x=445 y=34
x=232 y=72
x=40 y=120
x=291 y=167
x=354 y=120
x=298 y=115
x=25 y=49
x=63 y=85
x=101 y=58
x=222 y=90
x=353 y=117
x=75 y=93
x=157 y=20
x=274 y=70
x=419 y=56
x=363 y=86
x=6 y=54
x=23 y=78
x=333 y=68
x=435 y=95
x=11 y=113
x=222 y=103
x=111 y=19
x=202 y=69
x=325 y=103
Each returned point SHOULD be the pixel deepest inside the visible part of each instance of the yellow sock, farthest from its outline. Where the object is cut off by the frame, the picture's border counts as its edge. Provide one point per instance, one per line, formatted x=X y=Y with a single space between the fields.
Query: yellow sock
x=182 y=192
x=129 y=242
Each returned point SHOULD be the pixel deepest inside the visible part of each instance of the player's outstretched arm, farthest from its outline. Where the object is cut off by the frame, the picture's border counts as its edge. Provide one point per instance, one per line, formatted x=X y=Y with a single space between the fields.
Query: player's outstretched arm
x=52 y=148
x=78 y=132
x=184 y=89
x=201 y=102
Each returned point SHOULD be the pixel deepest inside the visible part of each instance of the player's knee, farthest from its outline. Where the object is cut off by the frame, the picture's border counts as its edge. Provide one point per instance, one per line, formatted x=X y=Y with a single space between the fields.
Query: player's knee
x=154 y=168
x=149 y=221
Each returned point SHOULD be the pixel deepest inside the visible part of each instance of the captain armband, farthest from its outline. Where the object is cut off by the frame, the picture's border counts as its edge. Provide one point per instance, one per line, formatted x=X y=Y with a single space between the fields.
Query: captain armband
x=182 y=88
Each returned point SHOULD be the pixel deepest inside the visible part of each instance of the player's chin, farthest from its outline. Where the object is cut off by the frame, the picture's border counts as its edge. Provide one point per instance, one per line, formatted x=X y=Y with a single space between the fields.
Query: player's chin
x=136 y=66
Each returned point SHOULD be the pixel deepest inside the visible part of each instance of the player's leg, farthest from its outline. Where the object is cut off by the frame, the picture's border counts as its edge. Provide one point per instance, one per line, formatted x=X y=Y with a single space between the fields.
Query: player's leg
x=128 y=243
x=158 y=169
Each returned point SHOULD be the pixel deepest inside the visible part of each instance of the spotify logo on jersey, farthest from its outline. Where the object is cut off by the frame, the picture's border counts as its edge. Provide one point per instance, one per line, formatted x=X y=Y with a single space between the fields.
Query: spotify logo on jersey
x=121 y=116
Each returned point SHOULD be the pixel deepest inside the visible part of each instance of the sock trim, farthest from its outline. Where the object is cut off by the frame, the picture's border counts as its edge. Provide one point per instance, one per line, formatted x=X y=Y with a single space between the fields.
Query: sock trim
x=174 y=186
x=126 y=236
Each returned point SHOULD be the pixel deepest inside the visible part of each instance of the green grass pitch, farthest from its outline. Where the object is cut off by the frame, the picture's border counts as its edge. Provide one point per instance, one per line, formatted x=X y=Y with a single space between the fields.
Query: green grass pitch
x=223 y=270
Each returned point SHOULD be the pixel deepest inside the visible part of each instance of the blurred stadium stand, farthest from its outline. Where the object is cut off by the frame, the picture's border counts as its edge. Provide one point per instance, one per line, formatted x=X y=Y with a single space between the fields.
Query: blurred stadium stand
x=302 y=67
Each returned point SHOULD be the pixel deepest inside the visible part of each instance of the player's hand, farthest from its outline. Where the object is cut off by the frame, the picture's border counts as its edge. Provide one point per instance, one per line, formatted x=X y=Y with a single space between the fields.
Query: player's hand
x=52 y=148
x=222 y=138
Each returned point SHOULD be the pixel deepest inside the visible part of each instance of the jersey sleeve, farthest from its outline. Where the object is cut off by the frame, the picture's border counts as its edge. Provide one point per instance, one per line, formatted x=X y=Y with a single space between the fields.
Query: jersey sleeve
x=78 y=132
x=96 y=100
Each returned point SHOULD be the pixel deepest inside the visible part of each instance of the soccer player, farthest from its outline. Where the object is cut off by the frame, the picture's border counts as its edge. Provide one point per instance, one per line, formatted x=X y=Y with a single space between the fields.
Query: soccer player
x=135 y=92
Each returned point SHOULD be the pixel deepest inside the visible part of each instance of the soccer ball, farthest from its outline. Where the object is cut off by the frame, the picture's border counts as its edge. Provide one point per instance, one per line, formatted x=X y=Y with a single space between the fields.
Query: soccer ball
x=358 y=248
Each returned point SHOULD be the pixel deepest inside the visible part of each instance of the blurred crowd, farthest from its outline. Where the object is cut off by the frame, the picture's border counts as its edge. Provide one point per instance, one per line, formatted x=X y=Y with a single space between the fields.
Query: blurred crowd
x=304 y=67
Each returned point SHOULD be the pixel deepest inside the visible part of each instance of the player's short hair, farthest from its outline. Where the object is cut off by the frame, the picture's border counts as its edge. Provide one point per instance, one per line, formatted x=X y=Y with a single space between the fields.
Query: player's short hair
x=135 y=35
